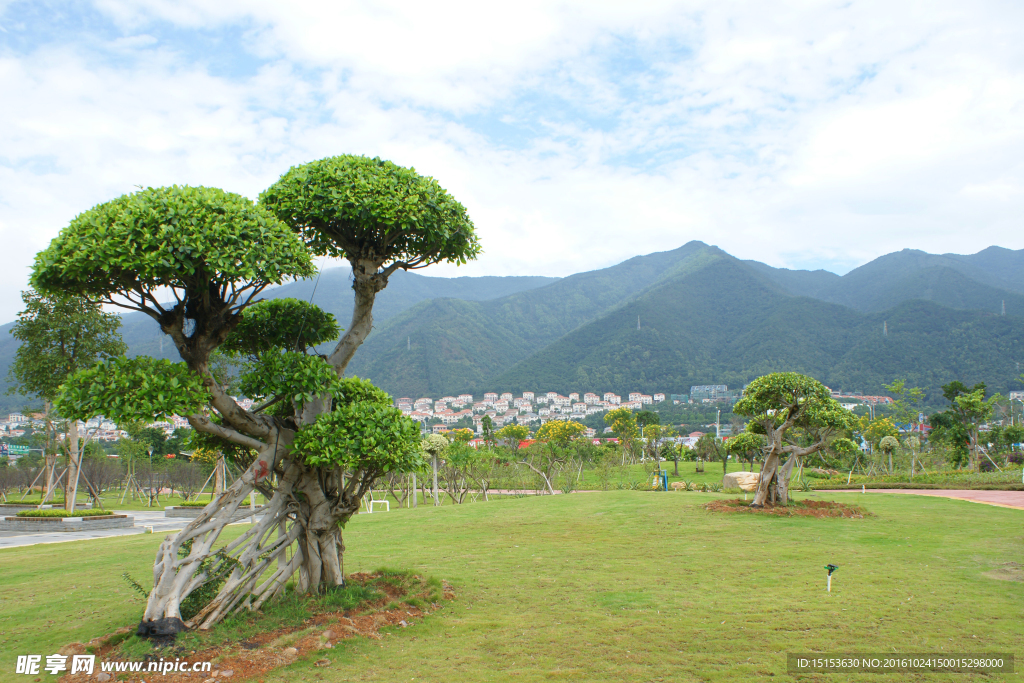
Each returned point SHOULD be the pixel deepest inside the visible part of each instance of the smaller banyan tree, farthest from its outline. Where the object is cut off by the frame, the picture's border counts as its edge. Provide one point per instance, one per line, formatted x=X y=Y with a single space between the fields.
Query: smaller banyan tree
x=196 y=260
x=797 y=416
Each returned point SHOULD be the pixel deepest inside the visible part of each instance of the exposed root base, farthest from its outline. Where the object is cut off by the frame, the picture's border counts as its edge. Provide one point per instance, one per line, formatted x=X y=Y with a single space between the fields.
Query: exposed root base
x=314 y=639
x=803 y=508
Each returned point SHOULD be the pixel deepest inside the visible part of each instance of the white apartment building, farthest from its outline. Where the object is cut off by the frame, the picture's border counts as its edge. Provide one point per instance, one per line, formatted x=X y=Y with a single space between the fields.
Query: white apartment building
x=591 y=398
x=658 y=398
x=490 y=396
x=528 y=395
x=466 y=398
x=506 y=396
x=574 y=397
x=646 y=399
x=612 y=398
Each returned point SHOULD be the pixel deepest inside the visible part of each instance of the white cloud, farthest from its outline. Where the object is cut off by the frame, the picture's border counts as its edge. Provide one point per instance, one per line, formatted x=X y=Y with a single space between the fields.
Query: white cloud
x=577 y=134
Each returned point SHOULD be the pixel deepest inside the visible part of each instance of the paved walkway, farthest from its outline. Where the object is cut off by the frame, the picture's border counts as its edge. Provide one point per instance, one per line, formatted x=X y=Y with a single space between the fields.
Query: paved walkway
x=143 y=519
x=1005 y=499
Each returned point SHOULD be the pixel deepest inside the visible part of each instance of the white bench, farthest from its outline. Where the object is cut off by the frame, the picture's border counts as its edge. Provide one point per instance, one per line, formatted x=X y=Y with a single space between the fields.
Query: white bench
x=372 y=498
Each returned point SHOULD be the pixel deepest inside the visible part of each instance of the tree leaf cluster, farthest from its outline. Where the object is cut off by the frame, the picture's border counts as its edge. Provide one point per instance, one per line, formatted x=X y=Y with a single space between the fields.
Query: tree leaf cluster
x=194 y=239
x=360 y=208
x=129 y=389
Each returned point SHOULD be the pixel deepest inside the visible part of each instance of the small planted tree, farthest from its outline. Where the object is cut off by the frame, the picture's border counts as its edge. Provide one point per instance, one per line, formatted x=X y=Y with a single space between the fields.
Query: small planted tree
x=434 y=446
x=512 y=437
x=797 y=416
x=706 y=449
x=746 y=446
x=557 y=437
x=314 y=443
x=624 y=426
x=888 y=445
x=60 y=334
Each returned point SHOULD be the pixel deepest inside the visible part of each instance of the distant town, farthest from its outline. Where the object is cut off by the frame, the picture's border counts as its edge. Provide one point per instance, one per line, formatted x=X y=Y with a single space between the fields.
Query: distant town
x=465 y=410
x=539 y=407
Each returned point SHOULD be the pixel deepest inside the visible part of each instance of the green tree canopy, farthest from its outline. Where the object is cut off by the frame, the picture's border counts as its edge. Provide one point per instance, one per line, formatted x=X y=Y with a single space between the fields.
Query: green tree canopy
x=212 y=250
x=280 y=324
x=327 y=438
x=781 y=406
x=373 y=210
x=60 y=334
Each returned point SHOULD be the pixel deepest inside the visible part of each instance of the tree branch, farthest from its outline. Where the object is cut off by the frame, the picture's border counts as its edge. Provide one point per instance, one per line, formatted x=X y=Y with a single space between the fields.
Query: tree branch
x=202 y=423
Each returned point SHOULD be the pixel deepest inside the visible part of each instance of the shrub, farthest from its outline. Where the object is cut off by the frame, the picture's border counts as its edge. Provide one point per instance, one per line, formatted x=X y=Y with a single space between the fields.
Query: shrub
x=63 y=513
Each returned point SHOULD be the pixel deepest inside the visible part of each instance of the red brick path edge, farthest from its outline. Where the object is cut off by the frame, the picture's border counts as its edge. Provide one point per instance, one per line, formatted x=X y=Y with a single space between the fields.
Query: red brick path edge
x=1005 y=499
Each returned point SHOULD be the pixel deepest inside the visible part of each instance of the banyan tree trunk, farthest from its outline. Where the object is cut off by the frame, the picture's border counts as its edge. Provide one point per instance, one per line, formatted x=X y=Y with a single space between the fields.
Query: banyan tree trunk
x=256 y=564
x=773 y=486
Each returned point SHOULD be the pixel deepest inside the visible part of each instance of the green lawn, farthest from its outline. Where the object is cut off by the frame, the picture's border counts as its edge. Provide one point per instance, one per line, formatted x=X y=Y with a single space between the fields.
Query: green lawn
x=616 y=586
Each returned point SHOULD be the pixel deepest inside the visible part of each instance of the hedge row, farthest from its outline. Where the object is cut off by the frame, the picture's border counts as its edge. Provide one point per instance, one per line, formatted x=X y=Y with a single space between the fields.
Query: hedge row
x=908 y=485
x=63 y=513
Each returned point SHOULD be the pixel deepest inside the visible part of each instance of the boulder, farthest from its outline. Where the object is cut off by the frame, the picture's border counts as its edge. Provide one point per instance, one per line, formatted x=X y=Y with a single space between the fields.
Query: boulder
x=742 y=480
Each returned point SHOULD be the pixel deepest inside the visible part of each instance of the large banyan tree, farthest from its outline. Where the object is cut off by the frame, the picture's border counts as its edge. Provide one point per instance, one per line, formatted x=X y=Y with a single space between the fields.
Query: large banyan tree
x=196 y=260
x=798 y=417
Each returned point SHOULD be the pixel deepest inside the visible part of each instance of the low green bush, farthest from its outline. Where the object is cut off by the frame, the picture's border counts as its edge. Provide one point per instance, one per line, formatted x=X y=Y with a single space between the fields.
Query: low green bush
x=35 y=501
x=950 y=479
x=63 y=513
x=193 y=504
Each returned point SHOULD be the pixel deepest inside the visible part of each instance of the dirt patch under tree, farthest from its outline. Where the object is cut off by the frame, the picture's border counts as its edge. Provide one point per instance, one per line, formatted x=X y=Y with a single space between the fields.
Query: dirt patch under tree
x=401 y=603
x=803 y=508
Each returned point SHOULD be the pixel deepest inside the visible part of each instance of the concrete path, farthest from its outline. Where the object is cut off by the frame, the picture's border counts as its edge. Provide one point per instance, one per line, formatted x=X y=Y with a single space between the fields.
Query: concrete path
x=143 y=519
x=1005 y=499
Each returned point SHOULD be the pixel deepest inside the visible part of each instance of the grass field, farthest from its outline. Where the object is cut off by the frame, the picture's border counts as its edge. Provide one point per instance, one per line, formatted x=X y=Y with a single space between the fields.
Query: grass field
x=615 y=586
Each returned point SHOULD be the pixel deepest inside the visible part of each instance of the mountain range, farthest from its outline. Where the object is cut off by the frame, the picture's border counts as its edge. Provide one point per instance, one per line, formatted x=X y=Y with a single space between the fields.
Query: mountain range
x=668 y=320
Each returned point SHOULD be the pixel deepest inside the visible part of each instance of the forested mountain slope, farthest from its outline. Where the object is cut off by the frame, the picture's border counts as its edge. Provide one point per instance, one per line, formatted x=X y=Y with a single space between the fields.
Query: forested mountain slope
x=726 y=323
x=704 y=316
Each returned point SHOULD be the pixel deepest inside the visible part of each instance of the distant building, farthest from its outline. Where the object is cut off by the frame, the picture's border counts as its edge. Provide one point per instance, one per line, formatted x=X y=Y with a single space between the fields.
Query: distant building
x=507 y=397
x=658 y=398
x=708 y=391
x=528 y=395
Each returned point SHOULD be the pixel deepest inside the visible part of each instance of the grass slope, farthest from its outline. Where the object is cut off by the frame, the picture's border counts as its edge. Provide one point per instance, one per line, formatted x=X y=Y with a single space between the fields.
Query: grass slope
x=611 y=587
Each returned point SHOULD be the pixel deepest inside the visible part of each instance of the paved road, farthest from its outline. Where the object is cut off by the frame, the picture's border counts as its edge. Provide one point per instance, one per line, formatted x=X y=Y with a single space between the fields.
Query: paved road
x=143 y=519
x=1006 y=499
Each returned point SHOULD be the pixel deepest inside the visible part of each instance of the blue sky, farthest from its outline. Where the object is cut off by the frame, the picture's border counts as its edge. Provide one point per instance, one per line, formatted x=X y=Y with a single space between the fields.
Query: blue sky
x=578 y=134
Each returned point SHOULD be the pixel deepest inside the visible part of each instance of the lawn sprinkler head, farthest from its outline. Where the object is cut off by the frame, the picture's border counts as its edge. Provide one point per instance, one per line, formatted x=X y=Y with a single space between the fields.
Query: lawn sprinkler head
x=828 y=582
